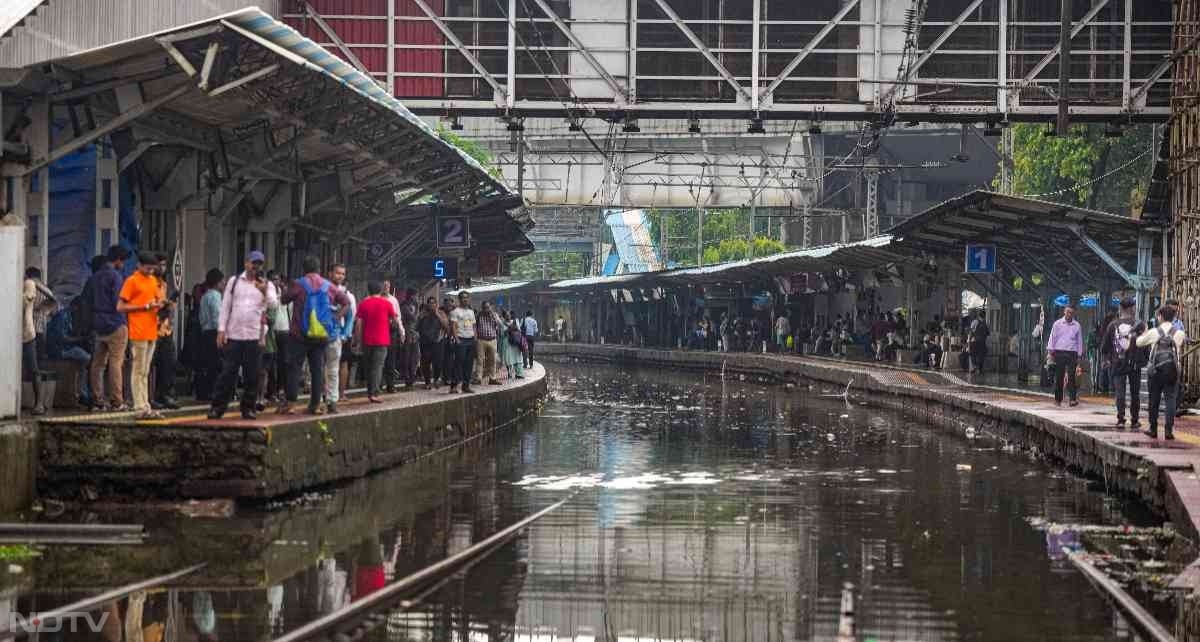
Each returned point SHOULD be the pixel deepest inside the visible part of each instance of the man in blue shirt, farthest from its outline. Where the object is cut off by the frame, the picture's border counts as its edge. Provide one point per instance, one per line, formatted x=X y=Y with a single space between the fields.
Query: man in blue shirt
x=112 y=335
x=529 y=328
x=209 y=357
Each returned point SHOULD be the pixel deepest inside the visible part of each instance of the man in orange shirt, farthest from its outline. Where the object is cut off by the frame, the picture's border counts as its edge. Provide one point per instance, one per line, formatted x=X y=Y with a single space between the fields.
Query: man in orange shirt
x=140 y=302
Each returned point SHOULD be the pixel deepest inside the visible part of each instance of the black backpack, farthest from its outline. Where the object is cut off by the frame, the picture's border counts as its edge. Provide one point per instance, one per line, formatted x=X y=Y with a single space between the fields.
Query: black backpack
x=1164 y=363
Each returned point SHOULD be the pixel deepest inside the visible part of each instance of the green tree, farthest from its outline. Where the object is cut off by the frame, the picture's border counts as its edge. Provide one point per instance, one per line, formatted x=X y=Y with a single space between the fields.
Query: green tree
x=729 y=234
x=549 y=265
x=471 y=147
x=1084 y=169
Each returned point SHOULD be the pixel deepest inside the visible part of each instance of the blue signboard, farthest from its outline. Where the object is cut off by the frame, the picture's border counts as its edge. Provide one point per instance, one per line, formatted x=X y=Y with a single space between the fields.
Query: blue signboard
x=981 y=259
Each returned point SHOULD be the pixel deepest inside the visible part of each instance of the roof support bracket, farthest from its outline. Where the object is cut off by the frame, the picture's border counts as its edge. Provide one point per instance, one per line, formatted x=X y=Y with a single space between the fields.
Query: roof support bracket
x=702 y=48
x=121 y=120
x=1135 y=281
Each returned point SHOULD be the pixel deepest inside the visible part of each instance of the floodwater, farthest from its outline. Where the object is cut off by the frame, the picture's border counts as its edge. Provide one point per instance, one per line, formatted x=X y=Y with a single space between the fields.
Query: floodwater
x=702 y=510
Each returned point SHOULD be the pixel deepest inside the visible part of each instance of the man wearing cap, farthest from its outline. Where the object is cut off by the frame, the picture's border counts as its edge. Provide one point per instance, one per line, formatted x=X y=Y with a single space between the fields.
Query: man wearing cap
x=241 y=331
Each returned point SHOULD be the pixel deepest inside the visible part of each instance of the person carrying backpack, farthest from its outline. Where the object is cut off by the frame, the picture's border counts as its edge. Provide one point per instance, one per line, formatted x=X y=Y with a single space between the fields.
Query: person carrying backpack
x=977 y=340
x=1166 y=345
x=1125 y=361
x=314 y=325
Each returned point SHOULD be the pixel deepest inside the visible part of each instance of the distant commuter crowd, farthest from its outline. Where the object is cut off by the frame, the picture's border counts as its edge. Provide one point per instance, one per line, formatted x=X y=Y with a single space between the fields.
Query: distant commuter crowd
x=261 y=339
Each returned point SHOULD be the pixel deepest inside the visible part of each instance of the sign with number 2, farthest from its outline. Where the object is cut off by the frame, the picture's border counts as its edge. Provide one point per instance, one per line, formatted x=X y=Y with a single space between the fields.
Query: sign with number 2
x=453 y=232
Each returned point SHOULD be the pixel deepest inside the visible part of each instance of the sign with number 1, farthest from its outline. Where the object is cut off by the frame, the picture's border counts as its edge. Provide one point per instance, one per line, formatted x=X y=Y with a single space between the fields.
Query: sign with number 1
x=981 y=259
x=453 y=233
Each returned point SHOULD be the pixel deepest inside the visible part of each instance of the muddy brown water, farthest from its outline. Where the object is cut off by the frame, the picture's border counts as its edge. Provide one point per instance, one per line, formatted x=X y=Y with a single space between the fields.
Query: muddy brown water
x=706 y=510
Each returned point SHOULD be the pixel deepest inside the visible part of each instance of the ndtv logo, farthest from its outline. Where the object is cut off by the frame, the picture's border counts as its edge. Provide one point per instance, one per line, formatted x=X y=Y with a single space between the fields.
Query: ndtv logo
x=71 y=622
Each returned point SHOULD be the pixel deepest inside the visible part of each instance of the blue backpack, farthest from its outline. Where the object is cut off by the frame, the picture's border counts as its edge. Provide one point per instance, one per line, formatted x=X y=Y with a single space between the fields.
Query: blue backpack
x=318 y=322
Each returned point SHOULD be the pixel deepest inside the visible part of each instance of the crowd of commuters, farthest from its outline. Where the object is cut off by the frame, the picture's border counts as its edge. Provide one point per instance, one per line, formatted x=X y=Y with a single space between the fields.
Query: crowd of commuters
x=260 y=338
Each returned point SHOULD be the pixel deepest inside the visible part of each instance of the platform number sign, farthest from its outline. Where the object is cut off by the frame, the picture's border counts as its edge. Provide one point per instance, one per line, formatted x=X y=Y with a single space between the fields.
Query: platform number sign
x=454 y=233
x=981 y=259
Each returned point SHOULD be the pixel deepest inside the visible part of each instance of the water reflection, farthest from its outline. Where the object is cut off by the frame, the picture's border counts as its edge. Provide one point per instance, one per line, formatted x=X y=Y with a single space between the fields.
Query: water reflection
x=709 y=510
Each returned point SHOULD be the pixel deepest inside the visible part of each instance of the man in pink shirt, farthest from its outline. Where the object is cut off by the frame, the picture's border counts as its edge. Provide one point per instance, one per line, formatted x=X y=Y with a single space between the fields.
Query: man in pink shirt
x=1064 y=349
x=241 y=330
x=376 y=318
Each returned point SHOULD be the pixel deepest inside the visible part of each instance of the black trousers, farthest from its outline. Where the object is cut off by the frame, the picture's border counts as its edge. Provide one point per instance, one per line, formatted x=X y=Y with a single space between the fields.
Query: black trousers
x=239 y=355
x=431 y=361
x=208 y=366
x=528 y=356
x=278 y=381
x=389 y=365
x=1167 y=394
x=164 y=368
x=464 y=362
x=300 y=350
x=410 y=358
x=1133 y=381
x=1065 y=362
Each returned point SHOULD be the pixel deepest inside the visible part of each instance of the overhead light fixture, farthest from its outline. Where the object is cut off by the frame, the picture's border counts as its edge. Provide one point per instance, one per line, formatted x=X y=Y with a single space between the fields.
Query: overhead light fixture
x=1113 y=130
x=574 y=126
x=912 y=123
x=756 y=126
x=631 y=127
x=516 y=124
x=814 y=129
x=455 y=125
x=693 y=125
x=1049 y=132
x=992 y=130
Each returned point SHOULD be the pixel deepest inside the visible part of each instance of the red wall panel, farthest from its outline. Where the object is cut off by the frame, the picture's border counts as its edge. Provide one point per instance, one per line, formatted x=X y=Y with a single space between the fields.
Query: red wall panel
x=419 y=32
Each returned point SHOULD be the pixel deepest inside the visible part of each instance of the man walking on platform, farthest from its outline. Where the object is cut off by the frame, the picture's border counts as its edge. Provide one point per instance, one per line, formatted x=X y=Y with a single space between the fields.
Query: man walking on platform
x=314 y=325
x=1125 y=360
x=529 y=328
x=1064 y=348
x=462 y=341
x=112 y=333
x=1166 y=345
x=241 y=331
x=141 y=303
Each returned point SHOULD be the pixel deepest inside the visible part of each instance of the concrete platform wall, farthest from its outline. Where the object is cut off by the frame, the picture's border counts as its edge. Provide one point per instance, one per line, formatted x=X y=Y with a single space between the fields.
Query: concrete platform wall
x=87 y=458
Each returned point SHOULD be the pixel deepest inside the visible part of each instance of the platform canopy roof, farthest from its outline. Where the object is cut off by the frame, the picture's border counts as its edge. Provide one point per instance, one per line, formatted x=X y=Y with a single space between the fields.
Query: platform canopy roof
x=1065 y=244
x=270 y=105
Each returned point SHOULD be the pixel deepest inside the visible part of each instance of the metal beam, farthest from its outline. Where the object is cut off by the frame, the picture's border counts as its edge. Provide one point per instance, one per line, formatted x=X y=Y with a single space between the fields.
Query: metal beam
x=1046 y=272
x=984 y=286
x=1161 y=69
x=1135 y=281
x=210 y=56
x=808 y=48
x=121 y=120
x=1081 y=272
x=232 y=202
x=942 y=38
x=337 y=41
x=701 y=47
x=248 y=78
x=618 y=92
x=1087 y=19
x=136 y=153
x=462 y=49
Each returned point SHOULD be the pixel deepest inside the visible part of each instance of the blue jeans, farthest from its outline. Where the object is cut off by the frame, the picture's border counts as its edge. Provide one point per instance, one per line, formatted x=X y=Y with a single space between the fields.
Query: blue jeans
x=464 y=352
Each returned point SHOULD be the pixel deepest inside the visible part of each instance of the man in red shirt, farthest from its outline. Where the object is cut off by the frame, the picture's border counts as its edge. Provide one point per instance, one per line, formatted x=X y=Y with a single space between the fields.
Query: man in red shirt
x=375 y=320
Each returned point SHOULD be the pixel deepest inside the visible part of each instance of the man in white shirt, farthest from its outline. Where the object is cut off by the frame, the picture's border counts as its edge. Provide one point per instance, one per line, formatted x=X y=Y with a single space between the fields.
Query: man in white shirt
x=241 y=330
x=1163 y=372
x=529 y=328
x=462 y=341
